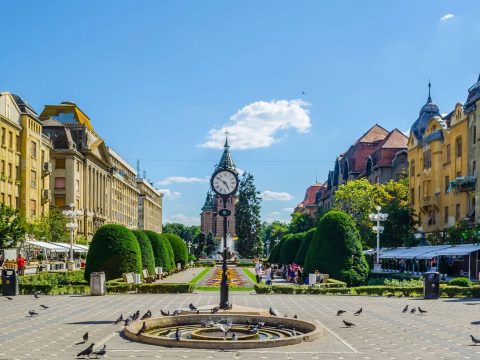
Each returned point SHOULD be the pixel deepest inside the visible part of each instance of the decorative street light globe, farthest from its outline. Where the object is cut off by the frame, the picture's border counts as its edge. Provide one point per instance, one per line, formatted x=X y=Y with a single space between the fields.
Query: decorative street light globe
x=378 y=229
x=72 y=215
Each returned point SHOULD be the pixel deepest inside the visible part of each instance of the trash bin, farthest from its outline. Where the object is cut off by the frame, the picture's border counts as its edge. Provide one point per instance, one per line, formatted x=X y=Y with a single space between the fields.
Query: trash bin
x=137 y=279
x=9 y=282
x=431 y=285
x=312 y=279
x=98 y=285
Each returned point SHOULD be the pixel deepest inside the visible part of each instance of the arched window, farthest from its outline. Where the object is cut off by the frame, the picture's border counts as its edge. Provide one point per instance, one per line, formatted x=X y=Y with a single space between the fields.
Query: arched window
x=474 y=134
x=345 y=170
x=369 y=166
x=412 y=168
x=458 y=147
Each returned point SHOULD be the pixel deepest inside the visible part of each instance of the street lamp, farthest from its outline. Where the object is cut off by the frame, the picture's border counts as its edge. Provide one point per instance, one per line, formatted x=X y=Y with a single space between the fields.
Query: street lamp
x=267 y=244
x=378 y=229
x=189 y=244
x=72 y=215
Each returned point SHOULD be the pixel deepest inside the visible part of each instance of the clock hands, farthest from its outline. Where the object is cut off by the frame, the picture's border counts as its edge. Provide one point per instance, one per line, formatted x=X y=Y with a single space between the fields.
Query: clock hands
x=225 y=184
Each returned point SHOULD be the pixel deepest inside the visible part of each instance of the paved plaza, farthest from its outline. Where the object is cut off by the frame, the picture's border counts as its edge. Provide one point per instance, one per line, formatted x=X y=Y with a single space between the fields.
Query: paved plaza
x=382 y=331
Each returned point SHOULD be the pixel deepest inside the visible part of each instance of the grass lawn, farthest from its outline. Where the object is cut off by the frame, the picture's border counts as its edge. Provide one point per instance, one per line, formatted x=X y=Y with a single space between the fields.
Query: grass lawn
x=250 y=275
x=199 y=276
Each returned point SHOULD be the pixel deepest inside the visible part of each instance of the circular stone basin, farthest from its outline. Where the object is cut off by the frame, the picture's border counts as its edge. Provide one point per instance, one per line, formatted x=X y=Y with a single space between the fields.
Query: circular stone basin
x=199 y=331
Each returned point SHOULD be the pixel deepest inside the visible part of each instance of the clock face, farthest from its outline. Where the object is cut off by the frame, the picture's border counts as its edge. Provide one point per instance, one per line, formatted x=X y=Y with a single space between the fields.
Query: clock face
x=224 y=182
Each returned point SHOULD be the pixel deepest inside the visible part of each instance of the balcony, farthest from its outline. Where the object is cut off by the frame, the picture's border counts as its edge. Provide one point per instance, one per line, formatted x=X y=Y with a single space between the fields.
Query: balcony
x=47 y=168
x=46 y=195
x=462 y=184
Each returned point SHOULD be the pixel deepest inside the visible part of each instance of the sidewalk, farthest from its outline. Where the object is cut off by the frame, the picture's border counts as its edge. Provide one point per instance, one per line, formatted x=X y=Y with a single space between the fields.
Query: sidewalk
x=182 y=276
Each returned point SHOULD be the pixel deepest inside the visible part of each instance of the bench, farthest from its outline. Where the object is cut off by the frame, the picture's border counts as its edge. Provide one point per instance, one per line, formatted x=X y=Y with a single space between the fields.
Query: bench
x=31 y=270
x=159 y=272
x=128 y=278
x=147 y=277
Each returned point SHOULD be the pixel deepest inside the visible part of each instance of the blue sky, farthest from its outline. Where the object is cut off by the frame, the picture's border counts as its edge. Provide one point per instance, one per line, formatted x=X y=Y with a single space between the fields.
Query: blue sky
x=161 y=80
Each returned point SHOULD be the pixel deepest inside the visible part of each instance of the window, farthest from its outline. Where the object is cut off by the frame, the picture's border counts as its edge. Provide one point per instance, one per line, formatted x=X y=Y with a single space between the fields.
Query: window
x=10 y=140
x=3 y=137
x=33 y=207
x=9 y=203
x=446 y=215
x=33 y=149
x=2 y=167
x=9 y=173
x=474 y=134
x=19 y=145
x=447 y=183
x=426 y=189
x=412 y=168
x=474 y=168
x=60 y=201
x=432 y=217
x=457 y=212
x=412 y=196
x=377 y=179
x=418 y=192
x=427 y=159
x=447 y=160
x=459 y=174
x=77 y=185
x=59 y=183
x=60 y=164
x=17 y=202
x=78 y=166
x=458 y=147
x=33 y=179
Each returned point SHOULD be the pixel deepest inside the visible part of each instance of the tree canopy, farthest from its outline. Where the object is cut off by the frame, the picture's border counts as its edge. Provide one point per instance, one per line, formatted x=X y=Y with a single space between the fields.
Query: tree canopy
x=300 y=222
x=12 y=227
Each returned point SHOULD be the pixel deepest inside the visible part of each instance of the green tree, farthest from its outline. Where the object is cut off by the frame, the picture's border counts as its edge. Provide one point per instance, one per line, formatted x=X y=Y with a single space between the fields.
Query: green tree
x=336 y=249
x=146 y=250
x=211 y=244
x=247 y=218
x=304 y=246
x=51 y=227
x=187 y=233
x=291 y=245
x=12 y=227
x=114 y=250
x=271 y=232
x=300 y=223
x=180 y=250
x=160 y=250
x=169 y=247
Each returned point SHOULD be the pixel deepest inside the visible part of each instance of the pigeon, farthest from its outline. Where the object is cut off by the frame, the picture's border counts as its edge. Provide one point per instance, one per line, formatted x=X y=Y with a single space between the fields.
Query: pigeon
x=177 y=312
x=340 y=312
x=413 y=311
x=101 y=352
x=248 y=322
x=32 y=312
x=286 y=315
x=147 y=315
x=120 y=319
x=254 y=330
x=9 y=298
x=87 y=351
x=128 y=320
x=136 y=315
x=405 y=309
x=85 y=337
x=281 y=326
x=164 y=313
x=203 y=324
x=295 y=316
x=178 y=334
x=43 y=306
x=358 y=312
x=475 y=340
x=142 y=329
x=36 y=295
x=192 y=307
x=273 y=312
x=215 y=310
x=234 y=337
x=348 y=324
x=420 y=310
x=260 y=324
x=294 y=332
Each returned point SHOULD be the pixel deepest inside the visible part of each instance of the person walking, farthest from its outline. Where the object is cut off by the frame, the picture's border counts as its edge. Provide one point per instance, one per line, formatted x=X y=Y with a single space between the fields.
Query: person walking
x=20 y=264
x=268 y=275
x=258 y=271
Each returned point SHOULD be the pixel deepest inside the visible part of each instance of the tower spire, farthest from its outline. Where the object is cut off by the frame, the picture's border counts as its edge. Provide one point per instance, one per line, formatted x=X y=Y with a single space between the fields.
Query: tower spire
x=429 y=86
x=226 y=139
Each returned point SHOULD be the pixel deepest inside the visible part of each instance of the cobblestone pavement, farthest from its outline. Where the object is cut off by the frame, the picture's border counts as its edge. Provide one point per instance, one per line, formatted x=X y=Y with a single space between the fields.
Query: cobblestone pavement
x=184 y=276
x=382 y=331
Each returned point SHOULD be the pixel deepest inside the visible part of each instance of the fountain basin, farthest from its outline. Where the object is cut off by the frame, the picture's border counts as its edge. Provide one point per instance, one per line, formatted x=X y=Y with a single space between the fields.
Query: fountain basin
x=277 y=331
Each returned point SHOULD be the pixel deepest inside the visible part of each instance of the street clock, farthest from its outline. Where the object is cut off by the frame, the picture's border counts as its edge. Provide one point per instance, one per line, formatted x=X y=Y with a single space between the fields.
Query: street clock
x=224 y=182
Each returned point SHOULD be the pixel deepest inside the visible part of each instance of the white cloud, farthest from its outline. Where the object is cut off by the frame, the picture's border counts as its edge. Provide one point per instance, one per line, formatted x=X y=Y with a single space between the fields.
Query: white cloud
x=181 y=180
x=447 y=17
x=169 y=194
x=260 y=123
x=274 y=216
x=288 y=210
x=183 y=219
x=268 y=195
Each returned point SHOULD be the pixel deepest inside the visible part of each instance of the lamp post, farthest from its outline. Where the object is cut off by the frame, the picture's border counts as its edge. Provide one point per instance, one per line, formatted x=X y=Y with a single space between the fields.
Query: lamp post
x=72 y=215
x=189 y=244
x=267 y=244
x=378 y=229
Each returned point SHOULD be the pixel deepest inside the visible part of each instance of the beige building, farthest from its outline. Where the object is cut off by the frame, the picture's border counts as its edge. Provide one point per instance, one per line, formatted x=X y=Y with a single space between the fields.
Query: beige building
x=125 y=193
x=24 y=158
x=149 y=206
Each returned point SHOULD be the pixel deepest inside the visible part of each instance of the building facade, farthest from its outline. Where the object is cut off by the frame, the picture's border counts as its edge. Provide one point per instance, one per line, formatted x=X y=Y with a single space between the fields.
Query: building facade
x=438 y=159
x=24 y=158
x=209 y=221
x=309 y=204
x=149 y=206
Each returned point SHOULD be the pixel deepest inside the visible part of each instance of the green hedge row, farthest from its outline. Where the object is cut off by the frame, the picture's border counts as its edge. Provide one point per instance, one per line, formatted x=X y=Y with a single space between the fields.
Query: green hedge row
x=49 y=289
x=55 y=278
x=208 y=263
x=163 y=288
x=303 y=289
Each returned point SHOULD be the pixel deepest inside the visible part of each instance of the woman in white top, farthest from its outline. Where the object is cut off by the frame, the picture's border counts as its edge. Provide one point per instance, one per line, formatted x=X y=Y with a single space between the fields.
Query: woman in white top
x=268 y=275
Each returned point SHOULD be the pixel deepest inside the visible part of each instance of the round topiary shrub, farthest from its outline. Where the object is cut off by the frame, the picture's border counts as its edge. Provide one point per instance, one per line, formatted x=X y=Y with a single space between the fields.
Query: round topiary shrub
x=304 y=246
x=160 y=250
x=336 y=249
x=180 y=250
x=114 y=250
x=290 y=248
x=460 y=281
x=146 y=250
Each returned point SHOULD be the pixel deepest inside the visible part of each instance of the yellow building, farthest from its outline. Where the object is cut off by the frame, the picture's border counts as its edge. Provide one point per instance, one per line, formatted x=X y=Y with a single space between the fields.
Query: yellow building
x=24 y=158
x=149 y=206
x=438 y=158
x=125 y=193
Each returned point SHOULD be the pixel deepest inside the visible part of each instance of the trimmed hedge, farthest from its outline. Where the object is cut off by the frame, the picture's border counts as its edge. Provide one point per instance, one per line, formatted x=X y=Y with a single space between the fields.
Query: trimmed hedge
x=171 y=255
x=289 y=250
x=146 y=250
x=304 y=246
x=460 y=281
x=160 y=250
x=114 y=250
x=55 y=278
x=50 y=289
x=336 y=249
x=205 y=263
x=180 y=250
x=274 y=257
x=291 y=289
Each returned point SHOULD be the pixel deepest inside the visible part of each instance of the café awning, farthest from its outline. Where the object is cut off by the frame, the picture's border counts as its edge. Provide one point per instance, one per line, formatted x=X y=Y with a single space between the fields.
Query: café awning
x=45 y=245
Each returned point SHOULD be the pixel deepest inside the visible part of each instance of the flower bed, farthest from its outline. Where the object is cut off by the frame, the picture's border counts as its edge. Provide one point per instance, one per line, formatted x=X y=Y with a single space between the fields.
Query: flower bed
x=235 y=278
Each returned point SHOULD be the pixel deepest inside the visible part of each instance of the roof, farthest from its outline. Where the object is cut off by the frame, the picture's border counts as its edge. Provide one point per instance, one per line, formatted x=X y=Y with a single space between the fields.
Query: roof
x=374 y=134
x=429 y=110
x=473 y=96
x=428 y=252
x=208 y=205
x=226 y=161
x=24 y=106
x=66 y=112
x=76 y=248
x=121 y=160
x=45 y=245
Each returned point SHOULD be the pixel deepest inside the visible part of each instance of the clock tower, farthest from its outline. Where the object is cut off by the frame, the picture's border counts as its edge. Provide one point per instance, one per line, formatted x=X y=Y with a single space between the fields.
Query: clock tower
x=209 y=219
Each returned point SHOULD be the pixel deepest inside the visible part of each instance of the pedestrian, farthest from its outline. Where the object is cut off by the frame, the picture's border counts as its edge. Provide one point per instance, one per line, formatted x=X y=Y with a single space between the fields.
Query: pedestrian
x=268 y=275
x=258 y=271
x=20 y=264
x=402 y=265
x=299 y=275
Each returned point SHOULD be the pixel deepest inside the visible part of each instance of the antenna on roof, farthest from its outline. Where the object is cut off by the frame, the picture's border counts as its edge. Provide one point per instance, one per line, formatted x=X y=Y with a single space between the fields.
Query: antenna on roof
x=138 y=167
x=144 y=174
x=429 y=86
